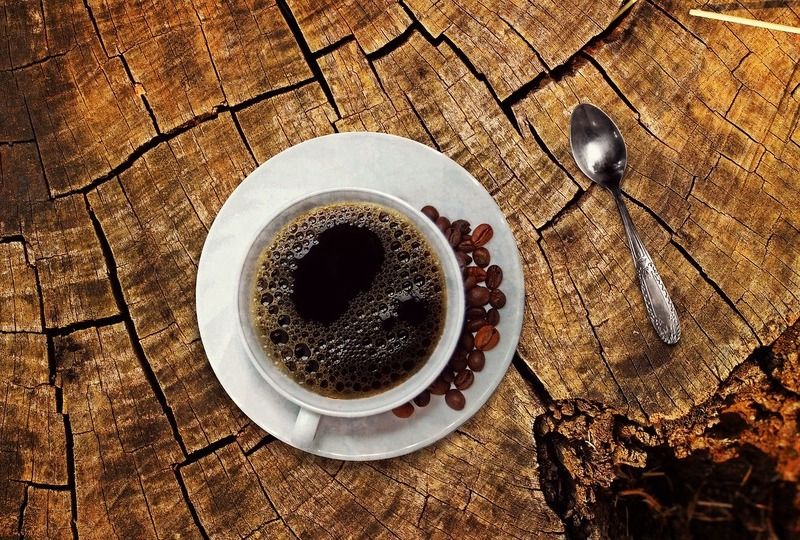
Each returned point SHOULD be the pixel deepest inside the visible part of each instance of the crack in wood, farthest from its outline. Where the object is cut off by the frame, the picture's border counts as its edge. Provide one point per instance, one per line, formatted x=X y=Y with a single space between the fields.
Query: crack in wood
x=240 y=131
x=38 y=150
x=333 y=46
x=134 y=82
x=529 y=376
x=398 y=41
x=93 y=20
x=565 y=210
x=419 y=117
x=624 y=99
x=568 y=66
x=70 y=444
x=188 y=501
x=22 y=507
x=37 y=61
x=167 y=136
x=83 y=325
x=267 y=439
x=43 y=485
x=210 y=56
x=307 y=54
x=549 y=153
x=122 y=306
x=725 y=298
x=37 y=282
x=207 y=450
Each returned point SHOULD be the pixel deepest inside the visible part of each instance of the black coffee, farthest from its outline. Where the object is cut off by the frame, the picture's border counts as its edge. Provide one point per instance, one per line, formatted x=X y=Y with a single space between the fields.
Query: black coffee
x=349 y=299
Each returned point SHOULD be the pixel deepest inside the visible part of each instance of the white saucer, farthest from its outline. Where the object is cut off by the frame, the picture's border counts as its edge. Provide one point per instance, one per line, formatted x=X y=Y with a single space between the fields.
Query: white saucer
x=398 y=166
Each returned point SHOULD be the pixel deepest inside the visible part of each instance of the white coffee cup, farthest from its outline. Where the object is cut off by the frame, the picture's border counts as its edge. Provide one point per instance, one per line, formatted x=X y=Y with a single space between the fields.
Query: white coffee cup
x=313 y=405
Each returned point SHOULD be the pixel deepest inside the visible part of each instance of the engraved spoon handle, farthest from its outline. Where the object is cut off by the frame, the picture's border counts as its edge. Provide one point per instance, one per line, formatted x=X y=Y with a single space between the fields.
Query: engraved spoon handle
x=656 y=298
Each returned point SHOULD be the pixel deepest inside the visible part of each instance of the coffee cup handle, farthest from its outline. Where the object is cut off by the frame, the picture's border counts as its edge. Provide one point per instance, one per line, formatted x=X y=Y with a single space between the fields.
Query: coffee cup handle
x=305 y=428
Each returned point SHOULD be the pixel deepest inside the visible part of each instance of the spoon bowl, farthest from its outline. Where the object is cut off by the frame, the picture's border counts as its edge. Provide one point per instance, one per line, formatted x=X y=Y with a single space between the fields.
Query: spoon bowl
x=597 y=146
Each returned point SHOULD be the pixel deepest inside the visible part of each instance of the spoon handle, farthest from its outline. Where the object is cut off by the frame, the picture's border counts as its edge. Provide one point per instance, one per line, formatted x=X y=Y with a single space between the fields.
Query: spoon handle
x=656 y=298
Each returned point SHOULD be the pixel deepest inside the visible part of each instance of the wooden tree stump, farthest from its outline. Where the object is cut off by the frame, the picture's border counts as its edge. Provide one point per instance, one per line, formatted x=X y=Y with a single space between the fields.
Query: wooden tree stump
x=124 y=127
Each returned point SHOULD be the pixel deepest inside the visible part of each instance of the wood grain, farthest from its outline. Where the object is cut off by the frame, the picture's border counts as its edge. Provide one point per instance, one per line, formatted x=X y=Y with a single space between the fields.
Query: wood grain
x=126 y=125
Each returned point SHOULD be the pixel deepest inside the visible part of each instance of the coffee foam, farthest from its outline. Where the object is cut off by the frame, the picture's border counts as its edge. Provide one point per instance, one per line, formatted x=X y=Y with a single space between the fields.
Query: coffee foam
x=386 y=332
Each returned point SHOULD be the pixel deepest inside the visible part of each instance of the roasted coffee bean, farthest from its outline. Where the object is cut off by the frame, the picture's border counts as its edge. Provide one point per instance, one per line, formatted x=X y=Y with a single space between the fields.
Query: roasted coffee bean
x=476 y=312
x=438 y=387
x=448 y=376
x=493 y=317
x=462 y=259
x=466 y=246
x=497 y=298
x=423 y=399
x=453 y=236
x=486 y=338
x=478 y=296
x=469 y=282
x=404 y=411
x=462 y=225
x=443 y=223
x=455 y=399
x=494 y=276
x=430 y=212
x=476 y=360
x=482 y=234
x=479 y=273
x=475 y=324
x=467 y=258
x=464 y=379
x=458 y=361
x=481 y=257
x=466 y=342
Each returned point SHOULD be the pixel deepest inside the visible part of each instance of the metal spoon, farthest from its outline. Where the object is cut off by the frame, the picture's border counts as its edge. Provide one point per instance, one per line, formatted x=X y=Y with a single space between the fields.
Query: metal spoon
x=599 y=151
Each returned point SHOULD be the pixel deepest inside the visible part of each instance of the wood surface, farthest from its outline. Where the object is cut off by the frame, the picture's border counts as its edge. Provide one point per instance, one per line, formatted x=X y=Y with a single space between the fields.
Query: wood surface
x=125 y=125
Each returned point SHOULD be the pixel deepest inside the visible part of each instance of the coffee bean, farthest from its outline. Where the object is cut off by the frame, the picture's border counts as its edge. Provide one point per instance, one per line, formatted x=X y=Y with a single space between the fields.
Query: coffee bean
x=486 y=338
x=476 y=312
x=447 y=375
x=481 y=256
x=468 y=259
x=462 y=225
x=464 y=379
x=443 y=223
x=479 y=273
x=469 y=282
x=493 y=317
x=482 y=234
x=475 y=324
x=478 y=296
x=462 y=259
x=494 y=276
x=453 y=236
x=497 y=298
x=458 y=361
x=438 y=387
x=403 y=411
x=423 y=399
x=466 y=342
x=430 y=212
x=455 y=399
x=476 y=360
x=466 y=246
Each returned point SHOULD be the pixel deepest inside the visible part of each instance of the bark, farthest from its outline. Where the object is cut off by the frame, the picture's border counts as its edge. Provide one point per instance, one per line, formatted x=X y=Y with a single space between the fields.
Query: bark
x=126 y=126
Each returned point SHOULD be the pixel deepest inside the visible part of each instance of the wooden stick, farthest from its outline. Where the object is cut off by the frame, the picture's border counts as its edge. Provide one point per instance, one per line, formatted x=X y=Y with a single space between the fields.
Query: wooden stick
x=742 y=20
x=628 y=5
